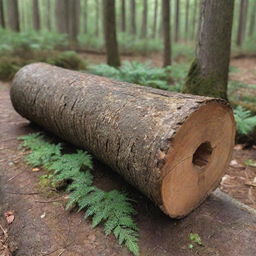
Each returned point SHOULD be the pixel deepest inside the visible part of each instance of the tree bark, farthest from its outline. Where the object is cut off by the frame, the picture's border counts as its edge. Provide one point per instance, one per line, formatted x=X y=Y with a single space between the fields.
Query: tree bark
x=73 y=20
x=36 y=15
x=48 y=20
x=85 y=14
x=172 y=147
x=242 y=22
x=2 y=20
x=144 y=25
x=177 y=21
x=187 y=19
x=166 y=32
x=113 y=58
x=155 y=19
x=123 y=16
x=208 y=74
x=133 y=17
x=252 y=20
x=13 y=15
x=61 y=9
x=97 y=27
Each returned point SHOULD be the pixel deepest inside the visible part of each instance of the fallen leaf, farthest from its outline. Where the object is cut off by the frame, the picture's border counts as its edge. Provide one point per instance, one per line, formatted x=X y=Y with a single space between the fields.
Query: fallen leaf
x=35 y=169
x=238 y=147
x=250 y=162
x=235 y=164
x=9 y=215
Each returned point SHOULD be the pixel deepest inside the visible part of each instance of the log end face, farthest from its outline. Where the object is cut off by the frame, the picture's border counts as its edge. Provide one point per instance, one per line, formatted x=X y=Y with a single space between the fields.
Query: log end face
x=198 y=158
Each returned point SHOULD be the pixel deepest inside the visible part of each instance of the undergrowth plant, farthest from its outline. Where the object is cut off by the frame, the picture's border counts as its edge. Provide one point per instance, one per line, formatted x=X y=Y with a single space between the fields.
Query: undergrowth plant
x=113 y=208
x=245 y=122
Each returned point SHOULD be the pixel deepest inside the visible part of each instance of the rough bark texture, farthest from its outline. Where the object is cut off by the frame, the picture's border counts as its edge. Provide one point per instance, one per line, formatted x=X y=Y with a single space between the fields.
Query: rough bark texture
x=242 y=22
x=177 y=21
x=113 y=58
x=129 y=127
x=2 y=21
x=144 y=24
x=166 y=32
x=36 y=15
x=61 y=9
x=13 y=15
x=133 y=17
x=208 y=74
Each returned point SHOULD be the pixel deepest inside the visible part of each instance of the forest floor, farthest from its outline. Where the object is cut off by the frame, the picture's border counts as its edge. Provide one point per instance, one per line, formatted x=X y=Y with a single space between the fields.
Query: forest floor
x=41 y=226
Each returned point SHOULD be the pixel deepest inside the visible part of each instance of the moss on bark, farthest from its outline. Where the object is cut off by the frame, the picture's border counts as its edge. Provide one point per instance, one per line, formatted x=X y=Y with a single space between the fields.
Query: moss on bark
x=204 y=85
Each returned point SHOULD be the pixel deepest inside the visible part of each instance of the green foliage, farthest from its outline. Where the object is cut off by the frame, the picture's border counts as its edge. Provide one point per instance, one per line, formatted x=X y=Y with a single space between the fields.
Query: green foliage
x=9 y=66
x=144 y=74
x=195 y=239
x=245 y=122
x=67 y=59
x=250 y=162
x=112 y=208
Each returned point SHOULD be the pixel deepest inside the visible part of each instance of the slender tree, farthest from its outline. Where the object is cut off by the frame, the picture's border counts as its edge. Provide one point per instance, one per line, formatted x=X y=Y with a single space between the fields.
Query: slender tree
x=61 y=9
x=133 y=17
x=177 y=21
x=2 y=20
x=166 y=32
x=208 y=74
x=194 y=19
x=48 y=17
x=155 y=19
x=74 y=20
x=252 y=19
x=13 y=15
x=97 y=17
x=113 y=58
x=186 y=19
x=242 y=22
x=36 y=15
x=123 y=16
x=144 y=24
x=85 y=14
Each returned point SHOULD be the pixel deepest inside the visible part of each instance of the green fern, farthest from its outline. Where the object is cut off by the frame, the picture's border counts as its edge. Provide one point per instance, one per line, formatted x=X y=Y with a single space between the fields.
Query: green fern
x=245 y=122
x=112 y=208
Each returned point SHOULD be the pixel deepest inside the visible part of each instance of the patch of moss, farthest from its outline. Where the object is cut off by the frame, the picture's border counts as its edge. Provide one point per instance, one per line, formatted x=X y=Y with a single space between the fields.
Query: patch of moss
x=203 y=85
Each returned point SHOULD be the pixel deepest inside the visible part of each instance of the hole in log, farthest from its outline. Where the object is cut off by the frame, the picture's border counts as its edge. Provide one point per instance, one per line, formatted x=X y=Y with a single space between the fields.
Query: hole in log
x=202 y=155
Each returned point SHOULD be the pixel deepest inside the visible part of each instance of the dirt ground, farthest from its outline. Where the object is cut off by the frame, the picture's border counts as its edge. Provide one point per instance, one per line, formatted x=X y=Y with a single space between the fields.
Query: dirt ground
x=41 y=226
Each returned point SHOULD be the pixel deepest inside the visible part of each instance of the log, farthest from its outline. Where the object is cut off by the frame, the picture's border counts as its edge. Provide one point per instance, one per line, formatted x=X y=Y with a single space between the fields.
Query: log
x=173 y=147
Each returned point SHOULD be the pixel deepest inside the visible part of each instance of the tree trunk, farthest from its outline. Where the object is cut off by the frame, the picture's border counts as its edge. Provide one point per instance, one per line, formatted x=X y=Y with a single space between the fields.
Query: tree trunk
x=73 y=20
x=166 y=32
x=85 y=14
x=194 y=19
x=61 y=9
x=2 y=20
x=242 y=22
x=155 y=19
x=177 y=21
x=187 y=19
x=172 y=147
x=133 y=17
x=144 y=25
x=208 y=74
x=123 y=16
x=252 y=20
x=97 y=27
x=48 y=20
x=36 y=15
x=111 y=44
x=13 y=15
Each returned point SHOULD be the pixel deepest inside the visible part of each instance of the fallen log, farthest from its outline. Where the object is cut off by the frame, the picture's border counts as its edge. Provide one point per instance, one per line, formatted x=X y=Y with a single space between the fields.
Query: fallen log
x=172 y=147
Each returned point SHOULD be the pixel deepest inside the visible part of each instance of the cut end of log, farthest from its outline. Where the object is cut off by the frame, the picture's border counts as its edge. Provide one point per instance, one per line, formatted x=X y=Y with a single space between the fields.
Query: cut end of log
x=197 y=160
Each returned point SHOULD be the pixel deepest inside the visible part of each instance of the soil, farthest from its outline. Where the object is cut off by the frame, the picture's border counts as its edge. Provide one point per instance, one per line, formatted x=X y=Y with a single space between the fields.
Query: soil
x=42 y=226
